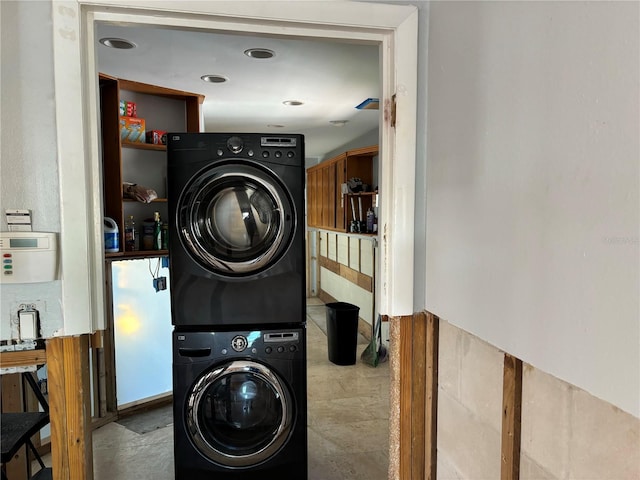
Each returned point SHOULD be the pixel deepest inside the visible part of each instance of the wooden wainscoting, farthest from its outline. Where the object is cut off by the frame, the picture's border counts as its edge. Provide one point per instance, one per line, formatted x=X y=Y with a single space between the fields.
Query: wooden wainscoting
x=418 y=392
x=414 y=387
x=70 y=408
x=511 y=418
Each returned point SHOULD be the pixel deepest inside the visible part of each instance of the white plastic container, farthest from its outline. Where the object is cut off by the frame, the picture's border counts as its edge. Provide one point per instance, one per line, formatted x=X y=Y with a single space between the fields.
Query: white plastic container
x=111 y=236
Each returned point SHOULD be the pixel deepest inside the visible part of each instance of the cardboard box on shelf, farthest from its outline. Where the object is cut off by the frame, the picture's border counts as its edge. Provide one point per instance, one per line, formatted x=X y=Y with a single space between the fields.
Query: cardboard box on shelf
x=128 y=109
x=157 y=137
x=132 y=130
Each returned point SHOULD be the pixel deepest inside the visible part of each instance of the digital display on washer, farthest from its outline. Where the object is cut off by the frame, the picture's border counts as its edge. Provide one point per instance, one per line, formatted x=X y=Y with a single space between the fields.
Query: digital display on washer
x=281 y=337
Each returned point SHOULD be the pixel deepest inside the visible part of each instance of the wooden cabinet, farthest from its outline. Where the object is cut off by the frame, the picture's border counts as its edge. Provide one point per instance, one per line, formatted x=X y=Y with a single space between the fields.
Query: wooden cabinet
x=140 y=163
x=327 y=206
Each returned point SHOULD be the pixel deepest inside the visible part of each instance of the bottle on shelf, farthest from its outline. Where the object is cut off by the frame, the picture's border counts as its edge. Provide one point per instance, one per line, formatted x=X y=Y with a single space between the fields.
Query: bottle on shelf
x=157 y=231
x=147 y=234
x=111 y=236
x=370 y=220
x=130 y=237
x=165 y=236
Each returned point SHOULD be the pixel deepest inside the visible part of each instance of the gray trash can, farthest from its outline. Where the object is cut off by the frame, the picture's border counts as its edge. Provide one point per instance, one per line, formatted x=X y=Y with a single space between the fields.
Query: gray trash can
x=342 y=332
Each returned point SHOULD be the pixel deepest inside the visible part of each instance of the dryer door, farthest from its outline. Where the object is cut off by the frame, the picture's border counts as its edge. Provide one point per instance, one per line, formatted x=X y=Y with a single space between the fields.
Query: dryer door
x=235 y=218
x=239 y=414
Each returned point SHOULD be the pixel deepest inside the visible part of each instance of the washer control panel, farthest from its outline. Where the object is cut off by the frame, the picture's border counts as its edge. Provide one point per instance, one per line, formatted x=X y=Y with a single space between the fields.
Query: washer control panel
x=281 y=342
x=272 y=344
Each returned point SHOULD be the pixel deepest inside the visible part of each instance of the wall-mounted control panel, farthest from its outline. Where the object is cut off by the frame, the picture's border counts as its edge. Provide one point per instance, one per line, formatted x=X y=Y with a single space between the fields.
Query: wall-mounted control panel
x=28 y=257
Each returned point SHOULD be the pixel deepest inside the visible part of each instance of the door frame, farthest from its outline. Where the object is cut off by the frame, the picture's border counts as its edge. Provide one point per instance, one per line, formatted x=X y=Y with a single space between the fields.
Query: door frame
x=393 y=27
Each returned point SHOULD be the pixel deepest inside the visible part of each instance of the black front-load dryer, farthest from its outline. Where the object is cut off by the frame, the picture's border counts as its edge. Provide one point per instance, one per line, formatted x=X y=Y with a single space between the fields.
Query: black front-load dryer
x=236 y=208
x=240 y=405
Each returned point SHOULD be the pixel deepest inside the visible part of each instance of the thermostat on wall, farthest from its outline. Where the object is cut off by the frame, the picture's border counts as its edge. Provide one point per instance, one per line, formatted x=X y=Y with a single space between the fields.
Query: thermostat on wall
x=28 y=257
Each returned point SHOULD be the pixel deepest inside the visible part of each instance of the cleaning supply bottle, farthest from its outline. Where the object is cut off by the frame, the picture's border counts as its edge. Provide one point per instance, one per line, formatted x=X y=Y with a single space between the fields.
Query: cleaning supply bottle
x=111 y=236
x=130 y=236
x=370 y=219
x=157 y=231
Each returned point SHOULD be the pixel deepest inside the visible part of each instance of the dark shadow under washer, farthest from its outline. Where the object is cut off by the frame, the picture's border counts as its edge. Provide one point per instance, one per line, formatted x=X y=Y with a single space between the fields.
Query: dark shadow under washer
x=240 y=408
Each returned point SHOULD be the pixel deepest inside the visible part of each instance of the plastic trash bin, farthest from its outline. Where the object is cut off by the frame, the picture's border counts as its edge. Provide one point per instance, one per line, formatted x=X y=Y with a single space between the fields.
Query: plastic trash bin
x=342 y=332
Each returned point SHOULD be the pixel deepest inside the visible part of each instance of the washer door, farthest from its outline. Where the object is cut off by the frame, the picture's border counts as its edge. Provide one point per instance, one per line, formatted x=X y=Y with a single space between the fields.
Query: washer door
x=235 y=218
x=239 y=414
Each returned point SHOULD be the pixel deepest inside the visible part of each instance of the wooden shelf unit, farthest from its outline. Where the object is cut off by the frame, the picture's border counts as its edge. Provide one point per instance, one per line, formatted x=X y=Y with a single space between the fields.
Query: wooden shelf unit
x=162 y=109
x=327 y=207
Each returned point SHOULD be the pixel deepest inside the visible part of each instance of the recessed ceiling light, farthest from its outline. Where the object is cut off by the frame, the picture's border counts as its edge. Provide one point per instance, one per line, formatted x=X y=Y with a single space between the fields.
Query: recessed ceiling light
x=338 y=123
x=293 y=103
x=260 y=53
x=275 y=125
x=119 y=43
x=214 y=78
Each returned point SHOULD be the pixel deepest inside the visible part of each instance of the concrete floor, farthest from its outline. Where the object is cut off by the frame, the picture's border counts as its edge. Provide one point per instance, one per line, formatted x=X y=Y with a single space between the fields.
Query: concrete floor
x=348 y=412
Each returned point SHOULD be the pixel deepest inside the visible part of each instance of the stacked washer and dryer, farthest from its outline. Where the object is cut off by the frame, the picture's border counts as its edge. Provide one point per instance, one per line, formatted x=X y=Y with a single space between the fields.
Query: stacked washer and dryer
x=237 y=266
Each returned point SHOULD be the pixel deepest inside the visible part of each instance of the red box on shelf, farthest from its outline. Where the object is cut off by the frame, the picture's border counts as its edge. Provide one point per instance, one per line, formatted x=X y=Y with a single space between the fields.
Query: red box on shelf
x=128 y=109
x=157 y=137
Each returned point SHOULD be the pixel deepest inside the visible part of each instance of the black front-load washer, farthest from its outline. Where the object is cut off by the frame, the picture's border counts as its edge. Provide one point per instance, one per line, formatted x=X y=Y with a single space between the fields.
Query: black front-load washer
x=236 y=208
x=240 y=405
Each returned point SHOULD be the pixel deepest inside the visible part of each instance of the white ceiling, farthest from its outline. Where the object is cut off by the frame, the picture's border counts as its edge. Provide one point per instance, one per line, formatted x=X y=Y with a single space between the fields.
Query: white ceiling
x=330 y=77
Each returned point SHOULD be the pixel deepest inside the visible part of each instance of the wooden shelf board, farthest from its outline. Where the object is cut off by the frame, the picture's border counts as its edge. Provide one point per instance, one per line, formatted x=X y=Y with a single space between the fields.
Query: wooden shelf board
x=136 y=255
x=145 y=146
x=156 y=200
x=139 y=87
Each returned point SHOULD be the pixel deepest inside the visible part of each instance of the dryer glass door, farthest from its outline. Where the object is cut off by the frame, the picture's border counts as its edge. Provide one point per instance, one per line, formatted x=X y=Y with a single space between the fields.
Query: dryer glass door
x=235 y=219
x=239 y=414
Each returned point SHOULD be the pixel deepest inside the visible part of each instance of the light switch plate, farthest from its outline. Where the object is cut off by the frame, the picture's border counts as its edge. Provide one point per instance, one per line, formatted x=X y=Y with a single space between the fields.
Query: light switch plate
x=28 y=324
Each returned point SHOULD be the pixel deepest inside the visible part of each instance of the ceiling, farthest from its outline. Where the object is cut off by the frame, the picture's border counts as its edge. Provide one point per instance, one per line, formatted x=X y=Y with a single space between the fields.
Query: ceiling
x=330 y=77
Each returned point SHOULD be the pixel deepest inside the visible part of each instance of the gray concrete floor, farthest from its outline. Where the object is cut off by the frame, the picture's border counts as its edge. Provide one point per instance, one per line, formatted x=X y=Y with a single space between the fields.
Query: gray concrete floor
x=348 y=413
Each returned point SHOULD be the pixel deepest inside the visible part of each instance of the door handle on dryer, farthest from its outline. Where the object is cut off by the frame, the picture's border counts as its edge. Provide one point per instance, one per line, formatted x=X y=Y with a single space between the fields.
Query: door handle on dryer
x=194 y=352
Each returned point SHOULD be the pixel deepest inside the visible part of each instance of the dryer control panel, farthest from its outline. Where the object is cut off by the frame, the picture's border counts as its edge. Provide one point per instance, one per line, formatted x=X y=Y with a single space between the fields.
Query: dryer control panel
x=281 y=149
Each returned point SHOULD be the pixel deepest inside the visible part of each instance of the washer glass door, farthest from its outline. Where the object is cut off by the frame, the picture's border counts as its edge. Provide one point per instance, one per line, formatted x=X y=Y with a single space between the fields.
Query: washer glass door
x=239 y=414
x=235 y=219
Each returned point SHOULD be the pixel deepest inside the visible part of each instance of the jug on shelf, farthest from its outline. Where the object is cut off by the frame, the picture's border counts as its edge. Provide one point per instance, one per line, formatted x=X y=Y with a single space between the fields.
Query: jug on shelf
x=111 y=236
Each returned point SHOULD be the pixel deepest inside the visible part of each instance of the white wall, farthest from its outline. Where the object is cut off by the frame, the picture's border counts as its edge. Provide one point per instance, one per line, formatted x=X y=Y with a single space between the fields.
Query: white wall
x=532 y=224
x=28 y=161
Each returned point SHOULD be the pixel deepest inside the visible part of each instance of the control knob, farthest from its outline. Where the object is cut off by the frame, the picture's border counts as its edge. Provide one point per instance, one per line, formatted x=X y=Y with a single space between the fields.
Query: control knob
x=235 y=144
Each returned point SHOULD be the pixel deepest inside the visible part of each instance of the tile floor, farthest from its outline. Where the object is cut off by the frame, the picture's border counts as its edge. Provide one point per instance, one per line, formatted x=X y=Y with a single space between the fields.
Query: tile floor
x=348 y=412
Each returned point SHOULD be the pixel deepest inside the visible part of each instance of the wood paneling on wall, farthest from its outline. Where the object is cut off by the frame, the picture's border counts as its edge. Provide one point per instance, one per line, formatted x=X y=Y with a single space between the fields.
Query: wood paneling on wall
x=511 y=418
x=70 y=410
x=416 y=387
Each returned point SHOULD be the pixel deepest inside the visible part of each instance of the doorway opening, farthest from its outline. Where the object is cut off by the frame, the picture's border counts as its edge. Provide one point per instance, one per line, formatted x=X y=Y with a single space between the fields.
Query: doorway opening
x=329 y=77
